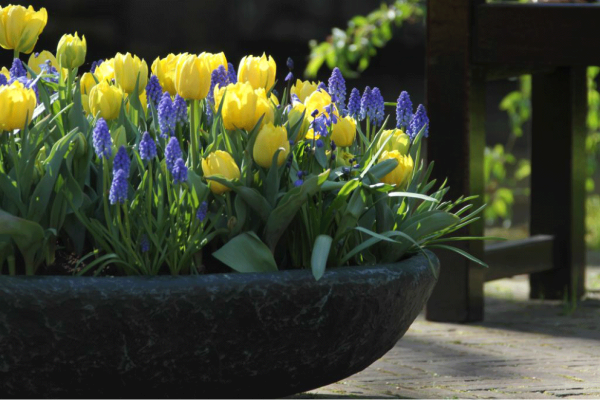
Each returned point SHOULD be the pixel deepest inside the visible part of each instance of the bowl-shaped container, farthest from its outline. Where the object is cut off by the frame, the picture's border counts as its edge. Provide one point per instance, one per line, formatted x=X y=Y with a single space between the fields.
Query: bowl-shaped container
x=221 y=335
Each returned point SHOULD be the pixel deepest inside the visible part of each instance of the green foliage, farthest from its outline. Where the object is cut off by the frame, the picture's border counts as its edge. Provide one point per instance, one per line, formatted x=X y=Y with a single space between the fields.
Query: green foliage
x=351 y=50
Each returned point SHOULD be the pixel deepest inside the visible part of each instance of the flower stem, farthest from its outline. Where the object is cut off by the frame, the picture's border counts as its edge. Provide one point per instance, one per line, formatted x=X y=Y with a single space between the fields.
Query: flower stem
x=194 y=151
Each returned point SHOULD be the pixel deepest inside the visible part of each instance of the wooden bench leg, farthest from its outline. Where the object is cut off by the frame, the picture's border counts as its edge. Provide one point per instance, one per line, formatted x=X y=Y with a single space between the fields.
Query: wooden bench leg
x=456 y=107
x=558 y=172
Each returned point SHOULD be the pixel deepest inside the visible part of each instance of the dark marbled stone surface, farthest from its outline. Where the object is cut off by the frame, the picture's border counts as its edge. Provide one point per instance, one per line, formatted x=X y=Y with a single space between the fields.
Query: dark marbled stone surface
x=223 y=335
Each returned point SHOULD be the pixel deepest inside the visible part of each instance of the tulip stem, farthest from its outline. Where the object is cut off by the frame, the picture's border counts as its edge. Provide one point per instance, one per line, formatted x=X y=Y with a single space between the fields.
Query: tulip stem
x=16 y=54
x=193 y=137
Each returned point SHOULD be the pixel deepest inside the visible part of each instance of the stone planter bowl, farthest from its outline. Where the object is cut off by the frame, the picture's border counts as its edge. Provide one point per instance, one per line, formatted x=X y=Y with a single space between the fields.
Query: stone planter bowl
x=221 y=335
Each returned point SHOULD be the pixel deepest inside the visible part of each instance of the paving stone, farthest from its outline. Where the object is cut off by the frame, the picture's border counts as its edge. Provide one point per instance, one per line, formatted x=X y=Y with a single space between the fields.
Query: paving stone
x=524 y=349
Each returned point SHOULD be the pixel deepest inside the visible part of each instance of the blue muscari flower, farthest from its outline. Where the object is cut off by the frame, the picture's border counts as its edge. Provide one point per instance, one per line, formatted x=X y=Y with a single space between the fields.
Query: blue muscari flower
x=298 y=182
x=231 y=75
x=319 y=143
x=121 y=161
x=202 y=211
x=419 y=121
x=102 y=140
x=295 y=98
x=144 y=244
x=172 y=153
x=3 y=80
x=118 y=188
x=17 y=70
x=354 y=104
x=147 y=147
x=290 y=63
x=337 y=87
x=289 y=77
x=332 y=119
x=166 y=116
x=220 y=77
x=319 y=125
x=48 y=69
x=180 y=109
x=333 y=146
x=154 y=91
x=179 y=171
x=95 y=65
x=365 y=103
x=404 y=111
x=378 y=104
x=322 y=86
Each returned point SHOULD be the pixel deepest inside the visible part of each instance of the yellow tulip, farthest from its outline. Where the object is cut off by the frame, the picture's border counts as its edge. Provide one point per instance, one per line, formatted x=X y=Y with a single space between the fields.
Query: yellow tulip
x=164 y=69
x=402 y=171
x=37 y=60
x=303 y=89
x=400 y=141
x=106 y=70
x=294 y=116
x=214 y=60
x=344 y=132
x=220 y=163
x=4 y=71
x=258 y=71
x=268 y=141
x=318 y=100
x=128 y=69
x=343 y=159
x=71 y=51
x=20 y=27
x=192 y=77
x=243 y=106
x=105 y=101
x=86 y=84
x=17 y=104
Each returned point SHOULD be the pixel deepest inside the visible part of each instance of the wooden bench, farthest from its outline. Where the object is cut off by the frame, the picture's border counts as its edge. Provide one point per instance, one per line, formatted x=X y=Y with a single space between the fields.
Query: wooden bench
x=470 y=42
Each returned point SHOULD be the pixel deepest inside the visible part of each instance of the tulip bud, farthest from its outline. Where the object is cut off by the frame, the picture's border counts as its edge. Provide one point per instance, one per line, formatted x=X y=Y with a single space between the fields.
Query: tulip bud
x=71 y=51
x=220 y=163
x=344 y=159
x=105 y=101
x=268 y=141
x=303 y=89
x=128 y=69
x=400 y=141
x=214 y=60
x=399 y=175
x=165 y=69
x=17 y=104
x=192 y=77
x=105 y=71
x=243 y=106
x=20 y=27
x=258 y=71
x=344 y=132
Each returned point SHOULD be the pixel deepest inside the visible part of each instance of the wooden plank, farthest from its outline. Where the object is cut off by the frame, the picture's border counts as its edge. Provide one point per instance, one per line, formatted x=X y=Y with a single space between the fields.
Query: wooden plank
x=558 y=172
x=456 y=109
x=516 y=257
x=536 y=35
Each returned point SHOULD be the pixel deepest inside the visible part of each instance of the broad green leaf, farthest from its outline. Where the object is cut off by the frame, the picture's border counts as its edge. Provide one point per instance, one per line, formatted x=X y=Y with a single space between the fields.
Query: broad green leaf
x=246 y=253
x=320 y=254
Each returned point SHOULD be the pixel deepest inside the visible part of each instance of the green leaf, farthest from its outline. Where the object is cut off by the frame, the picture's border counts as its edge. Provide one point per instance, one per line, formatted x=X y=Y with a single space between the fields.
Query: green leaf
x=246 y=253
x=320 y=254
x=28 y=235
x=459 y=251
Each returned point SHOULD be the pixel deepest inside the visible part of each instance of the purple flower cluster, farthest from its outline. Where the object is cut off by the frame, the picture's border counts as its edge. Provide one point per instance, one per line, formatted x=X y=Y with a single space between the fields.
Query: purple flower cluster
x=154 y=91
x=354 y=104
x=147 y=147
x=144 y=244
x=179 y=171
x=167 y=120
x=180 y=109
x=232 y=76
x=17 y=70
x=202 y=211
x=372 y=106
x=404 y=111
x=102 y=140
x=95 y=65
x=219 y=77
x=172 y=153
x=121 y=161
x=418 y=122
x=118 y=188
x=3 y=80
x=337 y=87
x=322 y=86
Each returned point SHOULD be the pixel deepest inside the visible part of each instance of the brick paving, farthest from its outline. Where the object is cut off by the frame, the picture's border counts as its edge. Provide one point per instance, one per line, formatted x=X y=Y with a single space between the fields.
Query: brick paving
x=524 y=349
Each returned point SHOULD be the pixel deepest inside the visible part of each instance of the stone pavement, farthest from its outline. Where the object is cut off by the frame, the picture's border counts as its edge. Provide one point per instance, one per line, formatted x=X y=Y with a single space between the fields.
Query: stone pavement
x=524 y=349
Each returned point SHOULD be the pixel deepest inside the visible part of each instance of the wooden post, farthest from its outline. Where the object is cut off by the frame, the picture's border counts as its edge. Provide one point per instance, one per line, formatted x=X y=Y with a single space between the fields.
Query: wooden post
x=456 y=108
x=558 y=173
